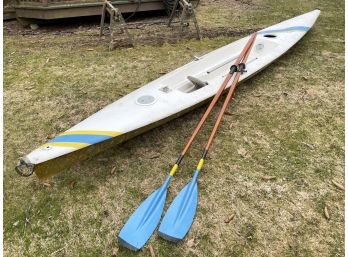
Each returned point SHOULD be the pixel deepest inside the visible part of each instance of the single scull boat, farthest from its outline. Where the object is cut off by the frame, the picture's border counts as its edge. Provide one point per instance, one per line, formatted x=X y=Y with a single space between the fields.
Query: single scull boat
x=162 y=100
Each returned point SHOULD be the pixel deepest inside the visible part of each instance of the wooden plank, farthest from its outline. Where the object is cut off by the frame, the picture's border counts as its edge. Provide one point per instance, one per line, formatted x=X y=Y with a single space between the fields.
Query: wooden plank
x=59 y=10
x=9 y=11
x=9 y=14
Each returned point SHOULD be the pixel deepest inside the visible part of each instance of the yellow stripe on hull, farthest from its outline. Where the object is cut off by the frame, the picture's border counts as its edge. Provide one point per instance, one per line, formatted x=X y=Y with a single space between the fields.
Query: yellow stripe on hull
x=66 y=144
x=92 y=132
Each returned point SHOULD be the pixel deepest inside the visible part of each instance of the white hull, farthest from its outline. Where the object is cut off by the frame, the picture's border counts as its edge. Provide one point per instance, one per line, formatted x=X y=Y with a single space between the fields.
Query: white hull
x=173 y=93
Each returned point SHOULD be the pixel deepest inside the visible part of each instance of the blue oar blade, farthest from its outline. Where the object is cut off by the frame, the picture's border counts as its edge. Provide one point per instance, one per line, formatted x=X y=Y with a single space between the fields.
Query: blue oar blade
x=144 y=220
x=179 y=216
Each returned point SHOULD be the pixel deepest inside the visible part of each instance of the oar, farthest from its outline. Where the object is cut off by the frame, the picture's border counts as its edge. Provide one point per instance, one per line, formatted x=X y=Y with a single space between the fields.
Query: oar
x=142 y=223
x=180 y=214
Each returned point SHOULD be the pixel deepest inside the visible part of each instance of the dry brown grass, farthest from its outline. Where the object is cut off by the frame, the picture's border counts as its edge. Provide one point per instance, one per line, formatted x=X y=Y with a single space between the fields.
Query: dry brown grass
x=287 y=122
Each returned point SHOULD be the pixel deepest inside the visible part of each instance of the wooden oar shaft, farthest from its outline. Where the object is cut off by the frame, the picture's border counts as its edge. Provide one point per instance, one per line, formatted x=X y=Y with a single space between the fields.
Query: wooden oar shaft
x=228 y=98
x=217 y=96
x=215 y=99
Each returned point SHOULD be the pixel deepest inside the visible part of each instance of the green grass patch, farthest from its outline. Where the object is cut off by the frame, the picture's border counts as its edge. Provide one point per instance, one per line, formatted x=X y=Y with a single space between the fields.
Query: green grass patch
x=287 y=122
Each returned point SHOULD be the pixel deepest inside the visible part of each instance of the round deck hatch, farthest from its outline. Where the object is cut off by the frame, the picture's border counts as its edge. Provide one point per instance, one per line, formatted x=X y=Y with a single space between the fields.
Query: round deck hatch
x=146 y=100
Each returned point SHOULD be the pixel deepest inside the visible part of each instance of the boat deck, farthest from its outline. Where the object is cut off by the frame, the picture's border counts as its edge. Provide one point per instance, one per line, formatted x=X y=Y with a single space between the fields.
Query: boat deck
x=9 y=11
x=56 y=9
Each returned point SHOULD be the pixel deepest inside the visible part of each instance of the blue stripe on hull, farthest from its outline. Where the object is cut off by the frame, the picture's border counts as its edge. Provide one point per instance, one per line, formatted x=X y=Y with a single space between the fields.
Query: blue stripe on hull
x=86 y=139
x=302 y=28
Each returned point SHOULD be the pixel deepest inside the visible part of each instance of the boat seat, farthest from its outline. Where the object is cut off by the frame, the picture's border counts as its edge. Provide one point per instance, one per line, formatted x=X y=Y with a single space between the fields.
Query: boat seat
x=197 y=82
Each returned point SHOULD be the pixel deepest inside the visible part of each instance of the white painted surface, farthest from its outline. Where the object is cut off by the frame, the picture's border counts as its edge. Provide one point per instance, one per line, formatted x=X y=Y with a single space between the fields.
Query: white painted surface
x=125 y=114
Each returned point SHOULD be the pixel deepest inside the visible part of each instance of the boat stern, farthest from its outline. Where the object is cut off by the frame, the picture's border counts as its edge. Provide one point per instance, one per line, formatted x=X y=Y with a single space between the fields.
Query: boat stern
x=64 y=150
x=24 y=167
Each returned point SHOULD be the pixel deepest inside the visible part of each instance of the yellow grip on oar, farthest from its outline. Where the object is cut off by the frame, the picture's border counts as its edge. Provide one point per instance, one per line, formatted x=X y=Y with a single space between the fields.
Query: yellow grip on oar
x=200 y=164
x=174 y=169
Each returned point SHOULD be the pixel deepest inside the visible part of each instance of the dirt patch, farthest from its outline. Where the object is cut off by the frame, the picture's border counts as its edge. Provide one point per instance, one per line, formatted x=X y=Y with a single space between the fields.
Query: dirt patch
x=269 y=174
x=159 y=38
x=146 y=28
x=155 y=33
x=229 y=3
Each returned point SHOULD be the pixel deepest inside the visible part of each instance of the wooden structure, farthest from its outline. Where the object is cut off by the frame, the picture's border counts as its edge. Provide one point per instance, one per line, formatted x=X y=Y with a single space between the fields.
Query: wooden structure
x=56 y=9
x=187 y=15
x=9 y=11
x=118 y=30
x=117 y=24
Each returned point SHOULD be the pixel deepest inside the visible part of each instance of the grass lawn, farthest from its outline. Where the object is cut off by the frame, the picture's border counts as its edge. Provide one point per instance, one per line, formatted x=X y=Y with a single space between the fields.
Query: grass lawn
x=286 y=122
